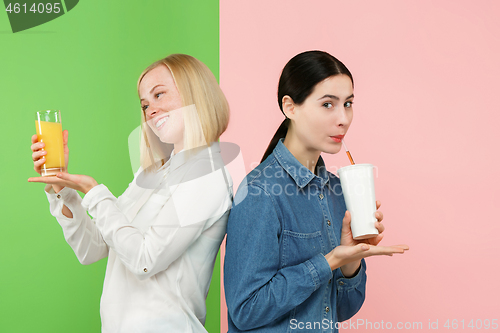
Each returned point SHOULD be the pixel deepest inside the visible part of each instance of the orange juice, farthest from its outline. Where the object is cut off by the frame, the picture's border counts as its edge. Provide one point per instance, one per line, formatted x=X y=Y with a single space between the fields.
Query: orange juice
x=50 y=133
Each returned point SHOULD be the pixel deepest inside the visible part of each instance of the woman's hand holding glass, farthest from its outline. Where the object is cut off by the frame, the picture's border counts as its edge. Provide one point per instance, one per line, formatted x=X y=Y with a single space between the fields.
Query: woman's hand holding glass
x=80 y=183
x=39 y=155
x=349 y=253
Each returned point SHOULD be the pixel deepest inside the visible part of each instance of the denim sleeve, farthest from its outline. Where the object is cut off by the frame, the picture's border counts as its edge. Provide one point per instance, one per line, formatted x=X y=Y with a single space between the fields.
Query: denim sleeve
x=350 y=292
x=257 y=290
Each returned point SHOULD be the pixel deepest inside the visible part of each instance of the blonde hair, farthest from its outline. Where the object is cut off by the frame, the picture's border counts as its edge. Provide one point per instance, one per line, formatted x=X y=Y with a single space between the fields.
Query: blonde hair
x=204 y=123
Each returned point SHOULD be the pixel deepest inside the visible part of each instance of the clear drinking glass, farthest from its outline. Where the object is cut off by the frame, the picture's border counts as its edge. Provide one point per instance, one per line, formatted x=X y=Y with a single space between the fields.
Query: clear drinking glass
x=49 y=131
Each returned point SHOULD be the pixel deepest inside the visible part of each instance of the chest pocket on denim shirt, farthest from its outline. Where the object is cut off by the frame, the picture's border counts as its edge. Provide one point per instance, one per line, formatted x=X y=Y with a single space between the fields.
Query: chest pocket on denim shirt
x=300 y=247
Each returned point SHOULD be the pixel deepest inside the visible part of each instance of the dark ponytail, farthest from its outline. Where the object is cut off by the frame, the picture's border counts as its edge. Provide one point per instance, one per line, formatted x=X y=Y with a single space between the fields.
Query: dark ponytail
x=280 y=133
x=298 y=79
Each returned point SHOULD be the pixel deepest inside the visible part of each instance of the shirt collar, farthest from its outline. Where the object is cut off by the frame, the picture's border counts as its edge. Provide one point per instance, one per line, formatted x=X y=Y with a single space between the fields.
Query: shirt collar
x=154 y=180
x=299 y=173
x=176 y=160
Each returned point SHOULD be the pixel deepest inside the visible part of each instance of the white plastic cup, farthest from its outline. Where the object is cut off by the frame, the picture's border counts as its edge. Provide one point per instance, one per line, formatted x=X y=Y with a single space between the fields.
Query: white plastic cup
x=359 y=195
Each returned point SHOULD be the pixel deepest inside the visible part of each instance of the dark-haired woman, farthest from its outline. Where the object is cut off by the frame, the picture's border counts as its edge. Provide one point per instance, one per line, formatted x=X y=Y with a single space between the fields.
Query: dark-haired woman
x=291 y=263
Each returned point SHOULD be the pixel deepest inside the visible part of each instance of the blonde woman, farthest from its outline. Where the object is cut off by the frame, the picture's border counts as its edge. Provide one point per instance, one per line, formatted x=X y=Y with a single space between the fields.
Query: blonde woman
x=162 y=235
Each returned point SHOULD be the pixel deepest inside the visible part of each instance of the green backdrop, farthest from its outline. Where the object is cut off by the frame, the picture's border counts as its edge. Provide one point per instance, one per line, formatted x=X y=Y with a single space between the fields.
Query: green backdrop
x=85 y=63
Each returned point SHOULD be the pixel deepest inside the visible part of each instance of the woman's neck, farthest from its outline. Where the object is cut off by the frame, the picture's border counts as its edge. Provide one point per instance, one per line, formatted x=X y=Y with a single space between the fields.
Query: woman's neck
x=306 y=157
x=178 y=148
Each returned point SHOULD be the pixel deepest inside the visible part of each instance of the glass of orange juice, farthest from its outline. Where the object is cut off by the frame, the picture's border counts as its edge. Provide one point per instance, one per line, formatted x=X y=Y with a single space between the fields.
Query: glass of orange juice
x=49 y=131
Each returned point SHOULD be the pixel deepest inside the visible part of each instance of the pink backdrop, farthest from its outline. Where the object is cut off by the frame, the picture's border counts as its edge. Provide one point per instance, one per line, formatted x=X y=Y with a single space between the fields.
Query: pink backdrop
x=426 y=115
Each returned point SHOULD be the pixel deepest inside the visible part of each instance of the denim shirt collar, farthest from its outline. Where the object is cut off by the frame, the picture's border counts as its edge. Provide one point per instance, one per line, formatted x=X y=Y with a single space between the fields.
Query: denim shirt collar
x=299 y=173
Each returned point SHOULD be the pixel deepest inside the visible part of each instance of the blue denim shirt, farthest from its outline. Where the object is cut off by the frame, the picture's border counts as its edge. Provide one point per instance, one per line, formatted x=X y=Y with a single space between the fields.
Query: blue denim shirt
x=283 y=221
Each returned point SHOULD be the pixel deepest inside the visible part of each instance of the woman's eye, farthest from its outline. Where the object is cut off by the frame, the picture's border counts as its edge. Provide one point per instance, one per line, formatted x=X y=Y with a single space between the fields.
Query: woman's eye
x=144 y=107
x=327 y=105
x=158 y=95
x=348 y=104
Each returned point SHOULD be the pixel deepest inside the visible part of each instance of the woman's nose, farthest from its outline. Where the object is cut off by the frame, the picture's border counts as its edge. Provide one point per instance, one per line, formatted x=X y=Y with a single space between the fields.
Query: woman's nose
x=151 y=111
x=343 y=119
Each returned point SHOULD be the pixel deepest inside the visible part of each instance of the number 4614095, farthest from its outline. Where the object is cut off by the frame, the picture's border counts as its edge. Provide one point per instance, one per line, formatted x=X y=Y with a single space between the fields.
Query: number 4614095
x=35 y=8
x=473 y=324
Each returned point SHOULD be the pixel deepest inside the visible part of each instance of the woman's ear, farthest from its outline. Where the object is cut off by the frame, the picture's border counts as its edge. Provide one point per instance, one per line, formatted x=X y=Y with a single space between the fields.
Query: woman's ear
x=288 y=106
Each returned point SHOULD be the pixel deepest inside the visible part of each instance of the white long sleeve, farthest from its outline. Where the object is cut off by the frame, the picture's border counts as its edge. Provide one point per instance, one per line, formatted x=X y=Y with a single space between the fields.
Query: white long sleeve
x=80 y=231
x=161 y=237
x=148 y=250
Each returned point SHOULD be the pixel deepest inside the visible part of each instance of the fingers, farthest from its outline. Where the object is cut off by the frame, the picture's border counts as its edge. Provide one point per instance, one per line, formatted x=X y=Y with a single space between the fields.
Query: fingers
x=356 y=251
x=346 y=226
x=380 y=227
x=384 y=250
x=378 y=204
x=37 y=146
x=65 y=137
x=390 y=249
x=46 y=180
x=375 y=240
x=50 y=180
x=67 y=176
x=344 y=254
x=38 y=154
x=374 y=250
x=38 y=164
x=363 y=247
x=379 y=215
x=347 y=218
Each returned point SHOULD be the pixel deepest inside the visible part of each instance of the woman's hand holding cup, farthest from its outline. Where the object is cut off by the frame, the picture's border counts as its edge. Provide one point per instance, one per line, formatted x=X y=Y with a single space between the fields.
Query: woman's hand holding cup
x=350 y=251
x=39 y=153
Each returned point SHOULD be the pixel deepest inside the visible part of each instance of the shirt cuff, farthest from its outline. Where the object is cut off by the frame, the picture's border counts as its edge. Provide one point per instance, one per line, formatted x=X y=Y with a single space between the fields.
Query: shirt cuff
x=352 y=282
x=95 y=195
x=319 y=269
x=67 y=195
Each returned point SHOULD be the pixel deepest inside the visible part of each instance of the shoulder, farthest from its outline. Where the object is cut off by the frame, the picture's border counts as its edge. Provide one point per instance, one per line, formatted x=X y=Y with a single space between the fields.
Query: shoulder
x=255 y=189
x=265 y=174
x=137 y=173
x=201 y=179
x=254 y=206
x=207 y=168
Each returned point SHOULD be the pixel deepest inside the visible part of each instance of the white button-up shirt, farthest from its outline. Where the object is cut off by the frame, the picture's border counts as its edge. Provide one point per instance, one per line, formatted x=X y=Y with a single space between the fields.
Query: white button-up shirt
x=161 y=237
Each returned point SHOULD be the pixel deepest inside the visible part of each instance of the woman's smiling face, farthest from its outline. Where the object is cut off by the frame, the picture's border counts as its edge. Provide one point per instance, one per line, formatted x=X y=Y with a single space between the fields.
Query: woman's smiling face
x=161 y=104
x=325 y=114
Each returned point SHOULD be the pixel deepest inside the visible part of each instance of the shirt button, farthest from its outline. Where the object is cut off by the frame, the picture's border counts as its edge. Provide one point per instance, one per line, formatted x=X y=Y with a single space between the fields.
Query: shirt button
x=58 y=196
x=321 y=196
x=328 y=221
x=329 y=281
x=327 y=309
x=145 y=270
x=341 y=283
